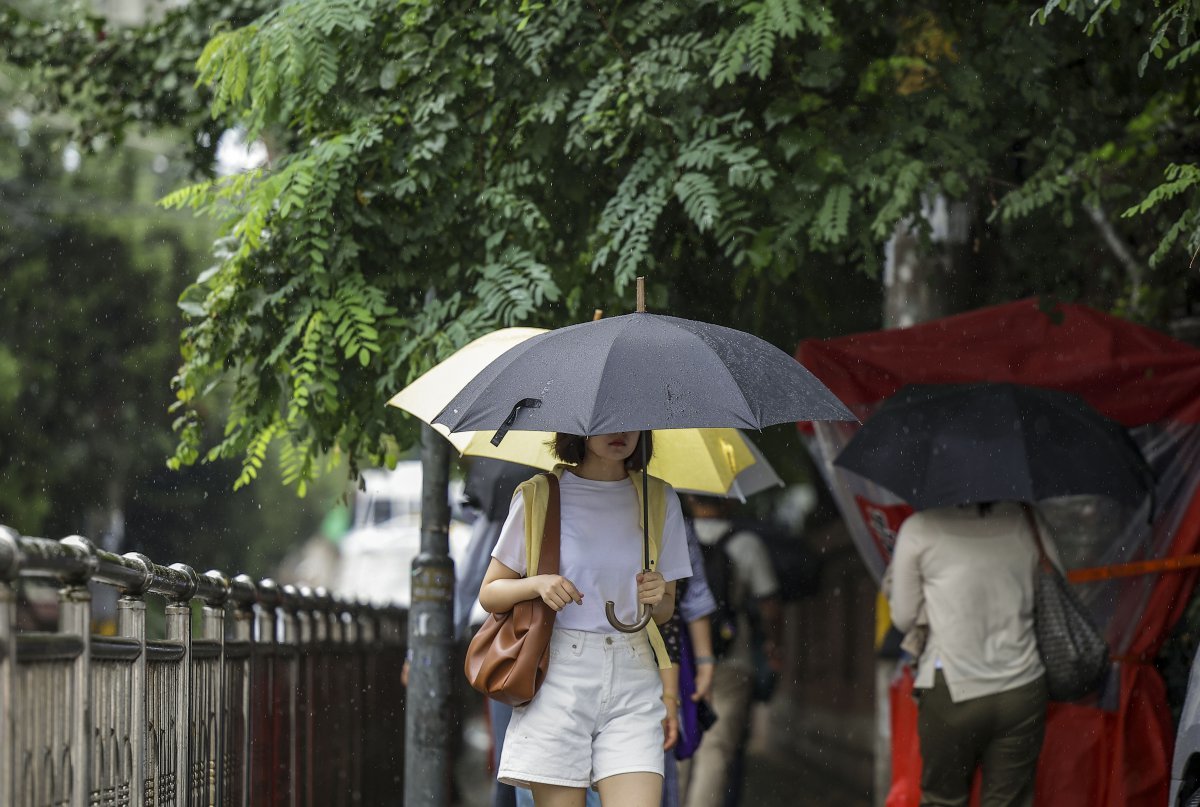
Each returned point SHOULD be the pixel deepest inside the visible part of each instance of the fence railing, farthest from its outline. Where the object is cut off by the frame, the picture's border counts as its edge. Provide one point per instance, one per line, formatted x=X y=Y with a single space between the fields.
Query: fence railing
x=281 y=696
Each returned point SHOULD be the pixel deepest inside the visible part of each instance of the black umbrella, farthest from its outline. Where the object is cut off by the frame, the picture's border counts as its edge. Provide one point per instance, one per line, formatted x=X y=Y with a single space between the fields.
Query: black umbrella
x=942 y=445
x=638 y=372
x=490 y=485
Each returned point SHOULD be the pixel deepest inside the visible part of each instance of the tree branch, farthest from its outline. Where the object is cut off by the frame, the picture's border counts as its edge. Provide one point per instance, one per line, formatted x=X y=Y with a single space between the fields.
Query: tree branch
x=1133 y=268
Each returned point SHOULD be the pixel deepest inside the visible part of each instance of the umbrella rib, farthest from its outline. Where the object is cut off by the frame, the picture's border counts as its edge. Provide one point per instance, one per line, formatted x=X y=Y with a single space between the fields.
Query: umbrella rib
x=618 y=332
x=1012 y=395
x=754 y=420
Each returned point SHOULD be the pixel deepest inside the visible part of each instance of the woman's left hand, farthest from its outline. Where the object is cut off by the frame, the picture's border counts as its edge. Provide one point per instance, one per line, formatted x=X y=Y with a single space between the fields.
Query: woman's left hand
x=670 y=723
x=651 y=588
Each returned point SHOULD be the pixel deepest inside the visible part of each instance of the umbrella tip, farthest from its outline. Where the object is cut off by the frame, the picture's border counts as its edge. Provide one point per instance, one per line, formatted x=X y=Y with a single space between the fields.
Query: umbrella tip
x=598 y=315
x=641 y=295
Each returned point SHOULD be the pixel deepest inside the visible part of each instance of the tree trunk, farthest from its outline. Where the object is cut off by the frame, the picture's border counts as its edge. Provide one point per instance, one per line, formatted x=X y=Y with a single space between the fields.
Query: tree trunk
x=923 y=279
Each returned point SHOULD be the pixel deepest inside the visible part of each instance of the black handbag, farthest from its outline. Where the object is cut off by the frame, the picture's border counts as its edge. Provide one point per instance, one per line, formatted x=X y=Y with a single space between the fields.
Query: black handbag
x=1073 y=650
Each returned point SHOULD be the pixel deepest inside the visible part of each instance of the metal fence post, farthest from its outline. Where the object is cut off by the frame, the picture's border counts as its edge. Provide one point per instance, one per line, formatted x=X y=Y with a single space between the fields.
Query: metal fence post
x=293 y=625
x=265 y=723
x=208 y=692
x=179 y=632
x=289 y=638
x=307 y=736
x=9 y=554
x=131 y=624
x=239 y=652
x=75 y=619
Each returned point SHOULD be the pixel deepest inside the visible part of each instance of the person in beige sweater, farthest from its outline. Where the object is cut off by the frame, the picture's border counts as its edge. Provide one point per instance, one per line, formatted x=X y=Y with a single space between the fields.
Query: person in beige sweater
x=980 y=682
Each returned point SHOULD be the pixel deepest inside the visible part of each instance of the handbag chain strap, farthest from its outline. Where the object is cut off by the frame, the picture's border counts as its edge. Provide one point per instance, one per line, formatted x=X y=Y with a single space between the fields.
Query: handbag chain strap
x=1043 y=560
x=551 y=531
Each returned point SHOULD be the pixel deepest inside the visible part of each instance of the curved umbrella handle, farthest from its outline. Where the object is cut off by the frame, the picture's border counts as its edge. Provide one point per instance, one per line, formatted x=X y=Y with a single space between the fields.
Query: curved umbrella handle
x=610 y=610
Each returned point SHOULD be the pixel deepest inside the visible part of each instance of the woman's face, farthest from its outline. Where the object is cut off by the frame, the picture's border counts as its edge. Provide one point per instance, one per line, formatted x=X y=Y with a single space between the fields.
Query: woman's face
x=618 y=446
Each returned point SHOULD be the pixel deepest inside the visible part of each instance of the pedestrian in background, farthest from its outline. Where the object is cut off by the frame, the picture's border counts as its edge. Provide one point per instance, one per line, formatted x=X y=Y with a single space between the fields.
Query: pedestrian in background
x=599 y=717
x=696 y=606
x=980 y=682
x=489 y=489
x=742 y=578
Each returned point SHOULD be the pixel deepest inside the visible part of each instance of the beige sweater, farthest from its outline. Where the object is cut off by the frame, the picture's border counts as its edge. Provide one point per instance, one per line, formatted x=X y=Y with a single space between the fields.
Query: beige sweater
x=974 y=576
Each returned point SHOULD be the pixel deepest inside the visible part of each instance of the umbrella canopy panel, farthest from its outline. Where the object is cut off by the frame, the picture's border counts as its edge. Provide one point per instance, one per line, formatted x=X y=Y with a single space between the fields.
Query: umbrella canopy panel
x=640 y=371
x=941 y=445
x=710 y=462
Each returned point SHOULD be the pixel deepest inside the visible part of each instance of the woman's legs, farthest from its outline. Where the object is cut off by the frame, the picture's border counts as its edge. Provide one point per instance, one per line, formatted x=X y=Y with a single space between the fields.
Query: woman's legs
x=557 y=796
x=1010 y=759
x=630 y=790
x=1001 y=732
x=953 y=736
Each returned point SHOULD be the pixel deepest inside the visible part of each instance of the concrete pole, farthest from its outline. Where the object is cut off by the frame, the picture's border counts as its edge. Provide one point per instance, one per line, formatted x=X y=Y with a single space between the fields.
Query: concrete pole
x=427 y=763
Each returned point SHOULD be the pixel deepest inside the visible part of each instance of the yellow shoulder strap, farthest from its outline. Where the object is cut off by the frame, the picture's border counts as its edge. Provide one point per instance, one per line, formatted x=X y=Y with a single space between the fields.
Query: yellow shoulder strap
x=657 y=490
x=536 y=493
x=658 y=511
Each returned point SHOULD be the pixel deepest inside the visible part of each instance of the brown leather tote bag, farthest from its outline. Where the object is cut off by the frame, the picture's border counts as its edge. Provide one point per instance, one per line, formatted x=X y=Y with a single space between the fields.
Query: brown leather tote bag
x=508 y=658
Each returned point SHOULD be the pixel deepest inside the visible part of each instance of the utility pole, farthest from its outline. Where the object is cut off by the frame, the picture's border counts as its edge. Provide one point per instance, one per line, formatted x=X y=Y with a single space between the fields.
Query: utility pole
x=920 y=283
x=427 y=763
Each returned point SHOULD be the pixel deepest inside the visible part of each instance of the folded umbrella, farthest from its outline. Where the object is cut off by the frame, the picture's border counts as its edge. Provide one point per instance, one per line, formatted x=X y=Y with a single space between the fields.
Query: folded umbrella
x=943 y=445
x=750 y=480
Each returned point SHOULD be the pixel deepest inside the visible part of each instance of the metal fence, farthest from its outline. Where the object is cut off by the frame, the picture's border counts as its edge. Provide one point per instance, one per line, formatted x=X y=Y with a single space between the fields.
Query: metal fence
x=277 y=696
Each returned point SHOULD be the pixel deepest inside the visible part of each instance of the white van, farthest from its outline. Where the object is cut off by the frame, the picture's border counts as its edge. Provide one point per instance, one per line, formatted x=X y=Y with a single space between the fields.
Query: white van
x=376 y=555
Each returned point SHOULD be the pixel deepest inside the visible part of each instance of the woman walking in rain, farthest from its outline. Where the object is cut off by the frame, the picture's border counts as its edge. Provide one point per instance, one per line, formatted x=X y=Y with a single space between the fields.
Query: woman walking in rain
x=967 y=572
x=600 y=717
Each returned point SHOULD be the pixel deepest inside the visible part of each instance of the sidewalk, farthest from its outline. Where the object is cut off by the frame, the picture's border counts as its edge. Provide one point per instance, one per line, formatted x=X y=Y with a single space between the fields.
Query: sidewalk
x=772 y=779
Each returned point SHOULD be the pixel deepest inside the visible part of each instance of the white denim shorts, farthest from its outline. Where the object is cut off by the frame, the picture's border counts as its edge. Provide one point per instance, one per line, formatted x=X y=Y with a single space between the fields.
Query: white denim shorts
x=599 y=713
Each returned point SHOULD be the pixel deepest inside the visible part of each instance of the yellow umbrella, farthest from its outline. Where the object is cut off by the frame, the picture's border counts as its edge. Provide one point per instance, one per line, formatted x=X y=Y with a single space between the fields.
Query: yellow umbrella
x=699 y=460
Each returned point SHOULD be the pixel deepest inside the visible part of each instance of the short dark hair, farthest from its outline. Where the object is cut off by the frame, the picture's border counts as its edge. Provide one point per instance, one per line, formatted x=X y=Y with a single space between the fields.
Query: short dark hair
x=572 y=448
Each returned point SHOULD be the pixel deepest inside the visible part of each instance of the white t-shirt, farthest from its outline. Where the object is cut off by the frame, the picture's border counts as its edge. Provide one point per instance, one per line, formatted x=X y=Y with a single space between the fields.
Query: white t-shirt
x=601 y=548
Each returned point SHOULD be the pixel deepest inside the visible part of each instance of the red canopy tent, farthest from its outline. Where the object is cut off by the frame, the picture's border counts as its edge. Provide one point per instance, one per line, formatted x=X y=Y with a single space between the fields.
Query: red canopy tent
x=1115 y=750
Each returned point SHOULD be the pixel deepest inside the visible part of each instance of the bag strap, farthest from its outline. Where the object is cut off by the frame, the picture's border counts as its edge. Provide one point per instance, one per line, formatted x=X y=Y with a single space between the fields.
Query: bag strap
x=551 y=530
x=1043 y=560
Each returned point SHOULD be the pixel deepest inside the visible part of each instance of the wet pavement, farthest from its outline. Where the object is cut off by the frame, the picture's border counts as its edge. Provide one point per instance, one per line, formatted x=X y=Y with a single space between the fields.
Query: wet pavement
x=772 y=779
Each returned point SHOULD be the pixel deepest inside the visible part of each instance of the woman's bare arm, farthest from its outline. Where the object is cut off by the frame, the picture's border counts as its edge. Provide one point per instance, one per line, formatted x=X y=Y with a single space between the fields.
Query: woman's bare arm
x=503 y=588
x=700 y=631
x=666 y=606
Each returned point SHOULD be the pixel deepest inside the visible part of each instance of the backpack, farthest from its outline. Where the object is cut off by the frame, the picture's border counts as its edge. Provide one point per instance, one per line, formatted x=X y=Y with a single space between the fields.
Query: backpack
x=796 y=565
x=721 y=575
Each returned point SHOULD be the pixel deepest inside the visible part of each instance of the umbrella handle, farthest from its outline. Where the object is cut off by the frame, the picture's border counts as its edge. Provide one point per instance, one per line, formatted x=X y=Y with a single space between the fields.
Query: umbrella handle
x=610 y=610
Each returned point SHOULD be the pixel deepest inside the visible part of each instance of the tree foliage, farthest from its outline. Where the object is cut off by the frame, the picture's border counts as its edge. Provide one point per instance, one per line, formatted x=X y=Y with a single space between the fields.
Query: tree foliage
x=116 y=80
x=90 y=270
x=1163 y=133
x=440 y=169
